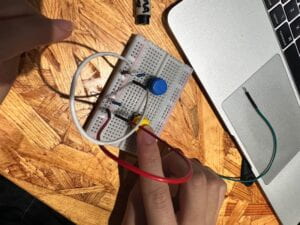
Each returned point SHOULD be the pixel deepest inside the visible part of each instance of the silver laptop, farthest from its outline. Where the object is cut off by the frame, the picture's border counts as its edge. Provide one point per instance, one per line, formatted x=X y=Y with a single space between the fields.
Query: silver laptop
x=252 y=44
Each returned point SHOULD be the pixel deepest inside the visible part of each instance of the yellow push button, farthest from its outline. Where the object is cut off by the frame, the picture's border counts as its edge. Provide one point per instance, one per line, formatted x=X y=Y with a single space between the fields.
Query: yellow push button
x=145 y=121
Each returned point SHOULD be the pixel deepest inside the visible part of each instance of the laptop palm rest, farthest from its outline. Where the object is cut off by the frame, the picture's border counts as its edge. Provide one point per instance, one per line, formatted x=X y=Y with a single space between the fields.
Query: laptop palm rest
x=271 y=90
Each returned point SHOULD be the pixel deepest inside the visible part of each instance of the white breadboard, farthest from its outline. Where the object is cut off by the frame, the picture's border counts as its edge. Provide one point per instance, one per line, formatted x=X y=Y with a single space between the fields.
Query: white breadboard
x=147 y=59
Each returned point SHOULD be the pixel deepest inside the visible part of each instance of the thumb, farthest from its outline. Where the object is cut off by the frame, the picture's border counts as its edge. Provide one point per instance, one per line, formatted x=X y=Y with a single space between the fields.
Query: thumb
x=25 y=33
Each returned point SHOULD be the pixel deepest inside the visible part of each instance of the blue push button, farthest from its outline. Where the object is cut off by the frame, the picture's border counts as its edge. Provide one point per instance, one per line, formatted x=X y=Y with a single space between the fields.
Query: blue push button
x=157 y=86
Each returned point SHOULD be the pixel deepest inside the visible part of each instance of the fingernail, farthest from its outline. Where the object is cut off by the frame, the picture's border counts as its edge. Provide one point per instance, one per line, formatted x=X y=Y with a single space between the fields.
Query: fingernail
x=147 y=138
x=64 y=25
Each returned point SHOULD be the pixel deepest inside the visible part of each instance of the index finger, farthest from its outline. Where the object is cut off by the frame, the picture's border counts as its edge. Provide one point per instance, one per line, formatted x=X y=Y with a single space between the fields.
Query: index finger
x=156 y=196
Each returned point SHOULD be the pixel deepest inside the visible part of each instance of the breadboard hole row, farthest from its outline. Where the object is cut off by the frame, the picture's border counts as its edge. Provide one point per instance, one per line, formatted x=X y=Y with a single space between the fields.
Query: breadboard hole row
x=98 y=120
x=132 y=96
x=183 y=79
x=155 y=103
x=136 y=49
x=113 y=130
x=169 y=71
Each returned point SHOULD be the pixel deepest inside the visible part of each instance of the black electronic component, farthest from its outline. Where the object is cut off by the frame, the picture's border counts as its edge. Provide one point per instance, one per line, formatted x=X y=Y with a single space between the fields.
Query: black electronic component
x=116 y=103
x=143 y=12
x=139 y=84
x=250 y=99
x=247 y=173
x=143 y=19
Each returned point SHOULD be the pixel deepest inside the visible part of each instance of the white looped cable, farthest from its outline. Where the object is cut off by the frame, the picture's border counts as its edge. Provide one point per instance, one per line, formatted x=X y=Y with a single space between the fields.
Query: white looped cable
x=72 y=101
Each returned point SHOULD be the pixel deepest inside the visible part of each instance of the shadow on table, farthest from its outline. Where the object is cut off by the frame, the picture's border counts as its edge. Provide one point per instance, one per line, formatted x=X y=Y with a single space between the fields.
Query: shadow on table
x=17 y=207
x=127 y=181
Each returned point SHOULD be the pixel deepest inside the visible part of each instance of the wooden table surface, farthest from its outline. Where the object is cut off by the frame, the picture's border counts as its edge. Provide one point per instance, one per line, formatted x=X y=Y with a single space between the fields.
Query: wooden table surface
x=42 y=152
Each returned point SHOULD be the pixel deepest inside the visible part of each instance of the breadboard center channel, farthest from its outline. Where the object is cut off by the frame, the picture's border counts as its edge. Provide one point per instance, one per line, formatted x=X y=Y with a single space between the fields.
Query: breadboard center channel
x=123 y=98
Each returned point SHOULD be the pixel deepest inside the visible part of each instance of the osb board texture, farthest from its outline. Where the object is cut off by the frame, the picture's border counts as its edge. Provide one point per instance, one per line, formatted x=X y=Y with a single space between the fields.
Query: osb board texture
x=42 y=152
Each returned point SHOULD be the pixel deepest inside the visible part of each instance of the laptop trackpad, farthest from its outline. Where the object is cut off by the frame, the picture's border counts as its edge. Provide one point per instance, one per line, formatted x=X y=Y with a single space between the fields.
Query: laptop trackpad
x=271 y=90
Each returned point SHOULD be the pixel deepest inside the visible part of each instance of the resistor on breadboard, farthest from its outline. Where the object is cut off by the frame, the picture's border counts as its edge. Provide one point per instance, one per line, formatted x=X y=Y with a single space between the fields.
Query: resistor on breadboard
x=123 y=98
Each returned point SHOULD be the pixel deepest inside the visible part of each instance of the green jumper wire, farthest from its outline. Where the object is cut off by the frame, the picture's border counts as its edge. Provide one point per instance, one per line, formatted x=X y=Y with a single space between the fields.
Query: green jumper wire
x=267 y=122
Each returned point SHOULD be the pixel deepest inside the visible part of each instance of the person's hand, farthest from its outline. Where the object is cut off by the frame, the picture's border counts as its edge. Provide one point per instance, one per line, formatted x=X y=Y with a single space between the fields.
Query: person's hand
x=23 y=28
x=152 y=203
